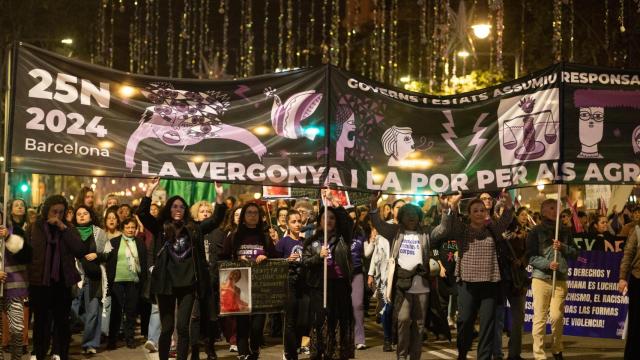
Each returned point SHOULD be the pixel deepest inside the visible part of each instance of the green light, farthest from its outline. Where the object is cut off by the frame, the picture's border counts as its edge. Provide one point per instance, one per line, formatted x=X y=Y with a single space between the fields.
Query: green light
x=24 y=187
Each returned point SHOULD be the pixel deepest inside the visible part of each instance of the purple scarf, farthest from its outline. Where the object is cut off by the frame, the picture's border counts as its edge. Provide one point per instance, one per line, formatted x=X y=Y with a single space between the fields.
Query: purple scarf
x=52 y=257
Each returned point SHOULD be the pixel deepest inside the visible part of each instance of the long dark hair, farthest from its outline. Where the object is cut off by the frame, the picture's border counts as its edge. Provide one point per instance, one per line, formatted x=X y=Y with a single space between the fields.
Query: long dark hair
x=91 y=215
x=242 y=229
x=113 y=209
x=228 y=226
x=51 y=201
x=342 y=228
x=515 y=224
x=81 y=196
x=171 y=228
x=10 y=215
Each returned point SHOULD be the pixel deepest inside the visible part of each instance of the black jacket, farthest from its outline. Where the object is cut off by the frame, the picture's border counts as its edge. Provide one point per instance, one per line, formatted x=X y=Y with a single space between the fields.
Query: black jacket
x=112 y=260
x=160 y=260
x=341 y=251
x=71 y=247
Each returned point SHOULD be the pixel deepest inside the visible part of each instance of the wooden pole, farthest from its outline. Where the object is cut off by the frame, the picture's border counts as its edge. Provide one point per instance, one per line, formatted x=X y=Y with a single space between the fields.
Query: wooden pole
x=555 y=252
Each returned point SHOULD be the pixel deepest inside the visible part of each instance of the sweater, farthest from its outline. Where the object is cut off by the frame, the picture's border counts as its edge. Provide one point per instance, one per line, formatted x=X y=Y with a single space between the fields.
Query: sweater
x=630 y=263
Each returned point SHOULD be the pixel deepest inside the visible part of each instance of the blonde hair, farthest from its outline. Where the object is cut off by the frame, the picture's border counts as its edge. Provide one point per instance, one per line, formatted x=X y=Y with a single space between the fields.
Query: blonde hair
x=196 y=207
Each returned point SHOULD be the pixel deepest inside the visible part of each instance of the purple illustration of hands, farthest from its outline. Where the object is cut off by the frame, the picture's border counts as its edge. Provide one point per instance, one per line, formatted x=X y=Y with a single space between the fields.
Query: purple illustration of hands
x=183 y=118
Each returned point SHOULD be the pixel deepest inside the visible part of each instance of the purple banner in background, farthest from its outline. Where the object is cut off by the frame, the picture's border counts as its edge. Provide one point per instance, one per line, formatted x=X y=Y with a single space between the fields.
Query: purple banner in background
x=594 y=307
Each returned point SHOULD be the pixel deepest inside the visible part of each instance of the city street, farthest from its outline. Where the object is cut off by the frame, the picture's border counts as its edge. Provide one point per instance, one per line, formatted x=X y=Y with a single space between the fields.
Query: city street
x=575 y=348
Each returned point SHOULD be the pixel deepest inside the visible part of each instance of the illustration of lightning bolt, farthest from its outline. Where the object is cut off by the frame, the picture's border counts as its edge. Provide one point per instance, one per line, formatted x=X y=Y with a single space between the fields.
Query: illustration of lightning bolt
x=241 y=90
x=450 y=134
x=478 y=141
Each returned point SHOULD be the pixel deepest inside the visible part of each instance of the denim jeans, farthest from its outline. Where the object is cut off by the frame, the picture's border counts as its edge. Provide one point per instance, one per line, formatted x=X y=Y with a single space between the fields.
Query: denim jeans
x=92 y=316
x=154 y=325
x=387 y=321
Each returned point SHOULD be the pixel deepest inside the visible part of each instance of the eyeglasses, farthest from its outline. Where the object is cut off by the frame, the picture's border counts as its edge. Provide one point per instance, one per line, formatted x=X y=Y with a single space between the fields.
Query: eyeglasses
x=586 y=115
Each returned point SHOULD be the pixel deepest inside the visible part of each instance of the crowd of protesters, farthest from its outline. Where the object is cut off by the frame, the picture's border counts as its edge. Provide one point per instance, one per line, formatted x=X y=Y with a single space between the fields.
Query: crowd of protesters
x=111 y=271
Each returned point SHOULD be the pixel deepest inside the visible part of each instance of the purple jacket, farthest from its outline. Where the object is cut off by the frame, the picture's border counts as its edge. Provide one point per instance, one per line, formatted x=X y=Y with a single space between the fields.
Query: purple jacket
x=71 y=247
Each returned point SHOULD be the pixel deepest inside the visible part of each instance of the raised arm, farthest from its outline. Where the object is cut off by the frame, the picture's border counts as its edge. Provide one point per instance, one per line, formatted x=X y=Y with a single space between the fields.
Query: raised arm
x=144 y=210
x=216 y=219
x=450 y=226
x=385 y=229
x=502 y=224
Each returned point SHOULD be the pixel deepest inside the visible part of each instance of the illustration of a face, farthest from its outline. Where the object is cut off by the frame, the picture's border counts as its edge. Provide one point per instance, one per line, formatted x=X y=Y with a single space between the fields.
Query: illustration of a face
x=591 y=125
x=636 y=140
x=349 y=132
x=405 y=145
x=398 y=143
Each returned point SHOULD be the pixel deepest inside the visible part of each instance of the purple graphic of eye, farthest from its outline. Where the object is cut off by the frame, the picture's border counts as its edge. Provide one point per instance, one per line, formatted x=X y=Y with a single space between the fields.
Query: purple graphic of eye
x=163 y=110
x=170 y=94
x=205 y=129
x=155 y=99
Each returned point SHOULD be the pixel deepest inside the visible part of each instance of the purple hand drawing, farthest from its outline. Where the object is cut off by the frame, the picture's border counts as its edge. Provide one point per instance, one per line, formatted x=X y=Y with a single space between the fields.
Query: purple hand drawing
x=183 y=118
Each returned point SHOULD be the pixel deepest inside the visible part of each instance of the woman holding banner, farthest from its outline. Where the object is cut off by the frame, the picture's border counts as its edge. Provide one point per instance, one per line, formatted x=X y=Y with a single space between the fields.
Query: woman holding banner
x=331 y=330
x=478 y=270
x=52 y=273
x=249 y=242
x=17 y=255
x=408 y=278
x=179 y=266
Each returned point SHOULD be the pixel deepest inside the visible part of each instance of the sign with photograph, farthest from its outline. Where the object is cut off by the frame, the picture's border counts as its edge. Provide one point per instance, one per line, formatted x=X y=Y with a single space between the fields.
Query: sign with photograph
x=251 y=288
x=274 y=192
x=235 y=291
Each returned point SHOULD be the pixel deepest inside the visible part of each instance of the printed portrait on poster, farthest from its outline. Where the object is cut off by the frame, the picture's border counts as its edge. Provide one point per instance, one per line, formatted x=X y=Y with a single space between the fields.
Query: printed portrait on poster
x=529 y=127
x=592 y=105
x=345 y=130
x=398 y=144
x=235 y=291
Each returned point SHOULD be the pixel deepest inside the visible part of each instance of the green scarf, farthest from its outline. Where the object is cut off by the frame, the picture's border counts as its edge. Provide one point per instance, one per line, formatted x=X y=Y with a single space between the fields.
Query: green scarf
x=85 y=232
x=128 y=238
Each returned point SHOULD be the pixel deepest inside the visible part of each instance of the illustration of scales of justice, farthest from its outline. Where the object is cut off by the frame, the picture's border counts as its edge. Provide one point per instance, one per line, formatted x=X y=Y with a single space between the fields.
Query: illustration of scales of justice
x=525 y=128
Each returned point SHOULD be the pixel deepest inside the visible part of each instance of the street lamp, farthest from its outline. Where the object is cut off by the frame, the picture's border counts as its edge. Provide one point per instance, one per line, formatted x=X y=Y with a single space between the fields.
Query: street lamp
x=481 y=31
x=67 y=41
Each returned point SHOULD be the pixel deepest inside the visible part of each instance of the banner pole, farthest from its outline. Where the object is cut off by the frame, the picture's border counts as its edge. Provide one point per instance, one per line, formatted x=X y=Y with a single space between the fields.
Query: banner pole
x=555 y=252
x=326 y=242
x=7 y=111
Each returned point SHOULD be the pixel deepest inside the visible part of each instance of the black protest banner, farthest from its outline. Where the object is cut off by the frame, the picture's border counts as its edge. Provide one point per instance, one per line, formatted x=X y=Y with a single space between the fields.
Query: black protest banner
x=74 y=118
x=544 y=128
x=601 y=125
x=566 y=124
x=268 y=284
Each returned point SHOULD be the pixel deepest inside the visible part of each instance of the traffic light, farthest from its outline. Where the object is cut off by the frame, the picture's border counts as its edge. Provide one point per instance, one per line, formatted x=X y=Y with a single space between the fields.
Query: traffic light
x=24 y=187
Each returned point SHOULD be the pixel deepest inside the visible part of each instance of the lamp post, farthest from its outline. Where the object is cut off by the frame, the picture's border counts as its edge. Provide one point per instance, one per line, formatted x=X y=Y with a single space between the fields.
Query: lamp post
x=481 y=31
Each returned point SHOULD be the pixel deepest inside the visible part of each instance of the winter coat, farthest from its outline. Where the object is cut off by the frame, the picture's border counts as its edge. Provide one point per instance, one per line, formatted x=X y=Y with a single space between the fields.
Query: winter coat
x=71 y=247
